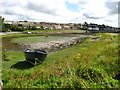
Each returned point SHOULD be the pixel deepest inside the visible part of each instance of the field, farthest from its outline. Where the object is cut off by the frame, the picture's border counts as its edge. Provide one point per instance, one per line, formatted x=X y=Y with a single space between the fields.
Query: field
x=56 y=31
x=91 y=64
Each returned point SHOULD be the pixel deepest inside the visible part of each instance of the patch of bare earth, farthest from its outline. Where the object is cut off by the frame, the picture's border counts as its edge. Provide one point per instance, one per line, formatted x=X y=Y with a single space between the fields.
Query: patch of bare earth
x=52 y=46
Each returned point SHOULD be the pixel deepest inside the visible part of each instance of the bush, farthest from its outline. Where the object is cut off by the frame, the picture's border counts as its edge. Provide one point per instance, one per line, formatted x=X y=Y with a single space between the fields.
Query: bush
x=15 y=28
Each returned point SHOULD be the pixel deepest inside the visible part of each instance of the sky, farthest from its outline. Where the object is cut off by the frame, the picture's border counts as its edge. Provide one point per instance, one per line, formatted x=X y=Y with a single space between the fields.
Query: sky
x=62 y=11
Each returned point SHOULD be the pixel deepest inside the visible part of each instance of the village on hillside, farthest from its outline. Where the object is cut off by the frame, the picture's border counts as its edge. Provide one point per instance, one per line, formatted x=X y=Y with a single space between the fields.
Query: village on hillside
x=25 y=25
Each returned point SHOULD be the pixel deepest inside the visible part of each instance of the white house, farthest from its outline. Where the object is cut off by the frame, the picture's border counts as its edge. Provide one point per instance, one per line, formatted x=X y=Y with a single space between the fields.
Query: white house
x=8 y=22
x=58 y=27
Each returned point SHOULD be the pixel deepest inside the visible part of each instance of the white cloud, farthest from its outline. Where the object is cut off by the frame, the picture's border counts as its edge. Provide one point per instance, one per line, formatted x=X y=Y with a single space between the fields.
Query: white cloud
x=56 y=11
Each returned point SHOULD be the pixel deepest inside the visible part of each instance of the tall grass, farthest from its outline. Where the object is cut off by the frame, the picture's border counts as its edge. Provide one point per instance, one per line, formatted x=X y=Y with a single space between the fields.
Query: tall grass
x=87 y=65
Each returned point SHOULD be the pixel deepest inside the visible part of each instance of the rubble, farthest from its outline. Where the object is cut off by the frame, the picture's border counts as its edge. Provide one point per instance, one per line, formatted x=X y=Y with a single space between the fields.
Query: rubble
x=52 y=46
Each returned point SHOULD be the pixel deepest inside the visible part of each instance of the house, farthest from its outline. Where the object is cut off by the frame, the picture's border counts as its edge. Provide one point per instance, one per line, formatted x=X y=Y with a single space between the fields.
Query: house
x=8 y=22
x=38 y=27
x=58 y=27
x=93 y=27
x=66 y=27
x=102 y=28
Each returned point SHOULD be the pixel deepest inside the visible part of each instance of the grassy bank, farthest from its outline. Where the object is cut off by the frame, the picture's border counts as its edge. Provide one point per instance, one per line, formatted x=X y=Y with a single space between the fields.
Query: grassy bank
x=92 y=64
x=56 y=31
x=43 y=33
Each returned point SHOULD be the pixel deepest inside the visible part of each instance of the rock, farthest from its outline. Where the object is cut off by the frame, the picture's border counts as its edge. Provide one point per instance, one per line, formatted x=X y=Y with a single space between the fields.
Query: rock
x=51 y=46
x=27 y=32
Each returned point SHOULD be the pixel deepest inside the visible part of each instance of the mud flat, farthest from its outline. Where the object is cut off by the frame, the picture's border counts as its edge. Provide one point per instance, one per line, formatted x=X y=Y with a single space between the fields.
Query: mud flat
x=52 y=46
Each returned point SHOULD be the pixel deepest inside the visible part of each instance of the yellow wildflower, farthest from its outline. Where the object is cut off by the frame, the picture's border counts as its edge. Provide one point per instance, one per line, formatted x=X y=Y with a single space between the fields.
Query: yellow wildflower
x=78 y=54
x=77 y=57
x=42 y=70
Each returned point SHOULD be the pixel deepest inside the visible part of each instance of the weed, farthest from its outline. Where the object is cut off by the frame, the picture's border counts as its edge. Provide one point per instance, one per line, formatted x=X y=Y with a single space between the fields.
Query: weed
x=86 y=65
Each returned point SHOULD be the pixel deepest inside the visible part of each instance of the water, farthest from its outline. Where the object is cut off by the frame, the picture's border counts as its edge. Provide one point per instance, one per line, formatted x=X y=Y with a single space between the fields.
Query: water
x=7 y=45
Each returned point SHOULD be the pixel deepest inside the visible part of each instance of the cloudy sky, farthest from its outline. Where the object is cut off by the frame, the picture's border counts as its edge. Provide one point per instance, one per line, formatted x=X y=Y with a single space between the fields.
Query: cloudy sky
x=62 y=11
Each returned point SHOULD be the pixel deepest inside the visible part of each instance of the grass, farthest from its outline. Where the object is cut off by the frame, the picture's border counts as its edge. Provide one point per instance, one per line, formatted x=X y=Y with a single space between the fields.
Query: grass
x=42 y=32
x=36 y=39
x=0 y=55
x=56 y=31
x=87 y=65
x=18 y=35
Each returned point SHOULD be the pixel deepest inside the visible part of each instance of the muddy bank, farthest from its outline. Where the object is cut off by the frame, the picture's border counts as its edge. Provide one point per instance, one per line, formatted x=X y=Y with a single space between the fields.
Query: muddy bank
x=7 y=45
x=52 y=46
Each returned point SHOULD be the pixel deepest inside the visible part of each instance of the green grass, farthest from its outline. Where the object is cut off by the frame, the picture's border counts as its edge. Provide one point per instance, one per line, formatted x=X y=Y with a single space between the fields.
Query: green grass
x=0 y=54
x=56 y=31
x=18 y=35
x=42 y=32
x=86 y=65
x=36 y=39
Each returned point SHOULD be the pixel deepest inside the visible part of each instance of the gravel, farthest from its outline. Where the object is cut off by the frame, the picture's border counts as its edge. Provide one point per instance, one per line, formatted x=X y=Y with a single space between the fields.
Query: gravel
x=52 y=46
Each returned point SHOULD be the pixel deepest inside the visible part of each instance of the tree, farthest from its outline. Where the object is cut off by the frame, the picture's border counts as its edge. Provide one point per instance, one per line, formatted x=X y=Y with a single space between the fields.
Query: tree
x=2 y=28
x=2 y=19
x=85 y=26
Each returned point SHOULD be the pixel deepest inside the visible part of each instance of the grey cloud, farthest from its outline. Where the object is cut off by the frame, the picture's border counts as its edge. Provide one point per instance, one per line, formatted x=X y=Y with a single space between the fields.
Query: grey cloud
x=113 y=7
x=23 y=17
x=119 y=7
x=82 y=3
x=40 y=8
x=30 y=6
x=7 y=12
x=9 y=3
x=108 y=20
x=10 y=12
x=91 y=17
x=20 y=16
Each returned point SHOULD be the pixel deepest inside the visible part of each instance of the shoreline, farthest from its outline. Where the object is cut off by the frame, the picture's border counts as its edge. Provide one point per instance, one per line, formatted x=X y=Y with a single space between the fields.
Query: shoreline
x=5 y=33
